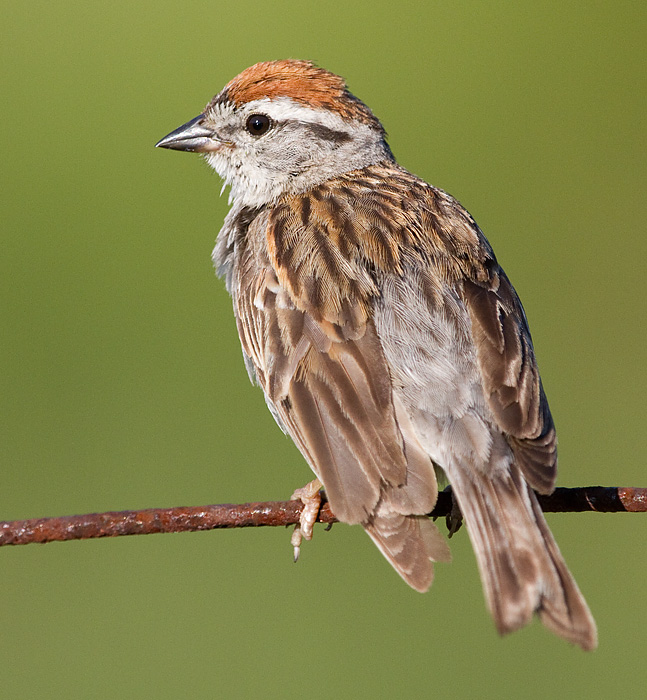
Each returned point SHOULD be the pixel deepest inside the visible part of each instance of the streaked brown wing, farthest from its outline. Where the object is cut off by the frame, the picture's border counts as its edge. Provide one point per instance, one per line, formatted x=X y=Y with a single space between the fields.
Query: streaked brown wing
x=510 y=376
x=328 y=385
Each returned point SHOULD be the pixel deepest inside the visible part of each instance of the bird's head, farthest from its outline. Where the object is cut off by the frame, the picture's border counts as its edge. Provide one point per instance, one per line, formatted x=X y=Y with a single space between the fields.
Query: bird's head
x=280 y=127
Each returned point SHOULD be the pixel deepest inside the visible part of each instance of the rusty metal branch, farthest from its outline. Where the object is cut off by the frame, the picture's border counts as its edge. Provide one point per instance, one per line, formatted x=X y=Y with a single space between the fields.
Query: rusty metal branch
x=600 y=499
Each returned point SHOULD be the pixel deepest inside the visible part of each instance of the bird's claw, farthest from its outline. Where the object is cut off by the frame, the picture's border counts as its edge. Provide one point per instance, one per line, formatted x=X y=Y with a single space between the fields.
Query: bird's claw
x=310 y=496
x=454 y=519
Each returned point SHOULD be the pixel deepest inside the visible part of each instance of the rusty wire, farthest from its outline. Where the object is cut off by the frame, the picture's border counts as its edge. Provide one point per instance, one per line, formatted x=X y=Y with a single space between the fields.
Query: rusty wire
x=272 y=513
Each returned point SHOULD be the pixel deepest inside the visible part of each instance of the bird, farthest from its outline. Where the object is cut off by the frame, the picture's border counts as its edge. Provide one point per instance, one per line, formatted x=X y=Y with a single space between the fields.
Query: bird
x=388 y=341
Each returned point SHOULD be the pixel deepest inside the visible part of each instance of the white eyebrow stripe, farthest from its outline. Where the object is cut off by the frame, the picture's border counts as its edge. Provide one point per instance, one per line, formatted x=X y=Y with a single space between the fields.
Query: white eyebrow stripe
x=284 y=108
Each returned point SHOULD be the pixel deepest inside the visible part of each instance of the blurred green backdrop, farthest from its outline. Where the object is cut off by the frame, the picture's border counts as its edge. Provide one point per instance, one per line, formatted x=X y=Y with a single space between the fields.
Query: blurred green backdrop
x=122 y=384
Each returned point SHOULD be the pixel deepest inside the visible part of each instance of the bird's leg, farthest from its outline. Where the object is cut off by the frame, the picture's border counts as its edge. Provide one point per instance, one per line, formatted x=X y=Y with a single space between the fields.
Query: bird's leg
x=310 y=496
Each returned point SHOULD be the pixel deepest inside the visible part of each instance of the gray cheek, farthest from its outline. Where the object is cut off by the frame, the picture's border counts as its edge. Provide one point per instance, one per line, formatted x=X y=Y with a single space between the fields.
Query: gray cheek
x=287 y=155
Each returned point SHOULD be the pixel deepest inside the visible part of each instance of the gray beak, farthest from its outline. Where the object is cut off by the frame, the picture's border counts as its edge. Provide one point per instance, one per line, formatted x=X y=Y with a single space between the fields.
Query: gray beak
x=192 y=136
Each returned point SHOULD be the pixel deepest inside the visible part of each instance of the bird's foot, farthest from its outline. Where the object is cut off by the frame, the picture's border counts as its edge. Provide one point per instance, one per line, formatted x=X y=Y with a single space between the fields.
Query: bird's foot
x=454 y=519
x=310 y=496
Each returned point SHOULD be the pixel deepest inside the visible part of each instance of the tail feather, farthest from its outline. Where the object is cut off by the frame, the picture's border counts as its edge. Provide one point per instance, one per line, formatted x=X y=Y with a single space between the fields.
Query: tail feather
x=578 y=625
x=410 y=543
x=521 y=567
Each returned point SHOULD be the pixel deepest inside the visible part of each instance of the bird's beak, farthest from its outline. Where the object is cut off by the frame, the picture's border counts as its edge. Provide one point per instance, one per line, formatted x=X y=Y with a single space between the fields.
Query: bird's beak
x=193 y=136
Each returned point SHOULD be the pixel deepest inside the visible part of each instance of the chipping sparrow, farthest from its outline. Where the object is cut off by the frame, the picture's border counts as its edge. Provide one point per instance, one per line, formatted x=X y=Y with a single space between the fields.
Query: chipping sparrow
x=386 y=338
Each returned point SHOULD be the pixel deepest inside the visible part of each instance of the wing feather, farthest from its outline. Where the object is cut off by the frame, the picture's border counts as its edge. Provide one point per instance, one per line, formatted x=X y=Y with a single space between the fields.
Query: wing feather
x=303 y=300
x=511 y=378
x=328 y=383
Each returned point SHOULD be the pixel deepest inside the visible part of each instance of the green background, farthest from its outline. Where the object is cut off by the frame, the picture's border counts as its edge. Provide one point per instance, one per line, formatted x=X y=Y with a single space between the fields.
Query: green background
x=122 y=385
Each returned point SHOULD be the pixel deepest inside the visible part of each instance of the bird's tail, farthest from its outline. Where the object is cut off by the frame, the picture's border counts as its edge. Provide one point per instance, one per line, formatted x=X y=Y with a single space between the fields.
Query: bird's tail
x=410 y=542
x=521 y=567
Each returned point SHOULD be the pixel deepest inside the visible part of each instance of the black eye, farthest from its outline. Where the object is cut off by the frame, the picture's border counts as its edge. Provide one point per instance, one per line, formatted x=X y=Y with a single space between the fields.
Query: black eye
x=257 y=124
